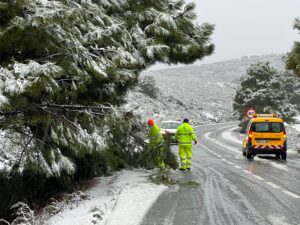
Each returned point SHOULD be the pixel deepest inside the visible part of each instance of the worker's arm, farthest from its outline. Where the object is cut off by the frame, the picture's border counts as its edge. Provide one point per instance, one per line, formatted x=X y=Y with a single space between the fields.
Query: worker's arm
x=176 y=135
x=194 y=137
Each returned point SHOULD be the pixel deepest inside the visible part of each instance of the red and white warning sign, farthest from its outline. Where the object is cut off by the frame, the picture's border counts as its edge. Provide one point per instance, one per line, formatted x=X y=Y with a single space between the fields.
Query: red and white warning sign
x=250 y=113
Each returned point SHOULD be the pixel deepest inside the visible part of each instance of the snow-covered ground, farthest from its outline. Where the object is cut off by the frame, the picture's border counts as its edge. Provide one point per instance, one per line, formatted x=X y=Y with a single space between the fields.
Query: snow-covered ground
x=297 y=125
x=204 y=95
x=121 y=199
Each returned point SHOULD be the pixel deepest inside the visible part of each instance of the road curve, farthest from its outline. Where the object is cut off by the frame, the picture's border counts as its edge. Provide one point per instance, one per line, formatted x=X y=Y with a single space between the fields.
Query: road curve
x=232 y=190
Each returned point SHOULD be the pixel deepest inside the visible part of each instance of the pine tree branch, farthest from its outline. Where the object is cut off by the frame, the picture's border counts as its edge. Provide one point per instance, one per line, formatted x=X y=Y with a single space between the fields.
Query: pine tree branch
x=182 y=14
x=24 y=149
x=100 y=110
x=46 y=58
x=73 y=125
x=12 y=113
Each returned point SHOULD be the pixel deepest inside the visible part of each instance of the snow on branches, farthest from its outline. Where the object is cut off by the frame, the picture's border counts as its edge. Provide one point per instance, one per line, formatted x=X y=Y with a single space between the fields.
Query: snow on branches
x=265 y=89
x=65 y=66
x=292 y=60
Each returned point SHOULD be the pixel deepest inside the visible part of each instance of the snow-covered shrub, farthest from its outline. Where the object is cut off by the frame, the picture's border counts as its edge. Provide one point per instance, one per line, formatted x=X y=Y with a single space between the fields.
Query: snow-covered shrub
x=4 y=222
x=130 y=131
x=264 y=89
x=147 y=86
x=24 y=215
x=293 y=137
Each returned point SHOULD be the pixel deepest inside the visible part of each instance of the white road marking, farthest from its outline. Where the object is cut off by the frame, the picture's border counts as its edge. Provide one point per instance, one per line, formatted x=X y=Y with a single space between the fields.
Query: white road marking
x=273 y=185
x=275 y=164
x=246 y=171
x=291 y=194
x=258 y=177
x=228 y=136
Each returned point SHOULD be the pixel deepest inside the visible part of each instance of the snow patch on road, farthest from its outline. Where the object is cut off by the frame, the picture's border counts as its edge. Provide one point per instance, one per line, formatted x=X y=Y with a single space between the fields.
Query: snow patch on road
x=229 y=136
x=277 y=220
x=274 y=164
x=120 y=199
x=207 y=136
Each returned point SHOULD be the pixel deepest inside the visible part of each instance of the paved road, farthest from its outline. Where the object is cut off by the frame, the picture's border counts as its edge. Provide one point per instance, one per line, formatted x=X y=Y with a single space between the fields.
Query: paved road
x=232 y=190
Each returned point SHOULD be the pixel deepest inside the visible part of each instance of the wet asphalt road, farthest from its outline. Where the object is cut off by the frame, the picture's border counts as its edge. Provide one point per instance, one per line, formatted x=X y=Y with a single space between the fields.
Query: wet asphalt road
x=232 y=190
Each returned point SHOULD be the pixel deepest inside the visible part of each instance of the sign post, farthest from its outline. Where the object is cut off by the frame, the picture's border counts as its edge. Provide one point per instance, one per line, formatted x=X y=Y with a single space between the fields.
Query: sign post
x=250 y=113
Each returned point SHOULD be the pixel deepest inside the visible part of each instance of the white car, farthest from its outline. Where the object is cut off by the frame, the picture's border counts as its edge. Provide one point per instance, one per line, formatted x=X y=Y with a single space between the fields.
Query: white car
x=168 y=129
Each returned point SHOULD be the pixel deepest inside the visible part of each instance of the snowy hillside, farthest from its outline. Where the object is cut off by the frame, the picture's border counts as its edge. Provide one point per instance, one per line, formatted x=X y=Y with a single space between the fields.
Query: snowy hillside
x=204 y=93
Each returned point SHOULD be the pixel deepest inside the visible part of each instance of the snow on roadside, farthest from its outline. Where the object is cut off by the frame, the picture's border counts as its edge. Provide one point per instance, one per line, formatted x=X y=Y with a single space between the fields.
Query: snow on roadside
x=297 y=126
x=293 y=135
x=123 y=198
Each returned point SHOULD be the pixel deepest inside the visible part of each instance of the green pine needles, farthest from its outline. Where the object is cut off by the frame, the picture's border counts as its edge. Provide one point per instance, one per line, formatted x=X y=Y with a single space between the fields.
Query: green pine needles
x=292 y=59
x=65 y=68
x=265 y=89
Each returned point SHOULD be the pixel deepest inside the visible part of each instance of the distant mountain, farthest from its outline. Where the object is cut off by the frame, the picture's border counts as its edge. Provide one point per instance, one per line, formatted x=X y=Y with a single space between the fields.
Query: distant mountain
x=201 y=92
x=224 y=70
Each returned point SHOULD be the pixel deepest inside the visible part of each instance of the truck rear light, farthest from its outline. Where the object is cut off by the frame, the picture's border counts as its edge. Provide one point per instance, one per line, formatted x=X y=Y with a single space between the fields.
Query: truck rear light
x=250 y=136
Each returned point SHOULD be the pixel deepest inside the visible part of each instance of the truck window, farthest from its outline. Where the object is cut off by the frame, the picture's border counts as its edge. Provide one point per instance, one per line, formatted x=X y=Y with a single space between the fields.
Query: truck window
x=270 y=127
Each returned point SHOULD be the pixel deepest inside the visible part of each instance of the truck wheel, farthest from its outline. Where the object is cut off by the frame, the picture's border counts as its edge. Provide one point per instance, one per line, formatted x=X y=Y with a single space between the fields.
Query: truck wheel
x=249 y=155
x=244 y=153
x=283 y=155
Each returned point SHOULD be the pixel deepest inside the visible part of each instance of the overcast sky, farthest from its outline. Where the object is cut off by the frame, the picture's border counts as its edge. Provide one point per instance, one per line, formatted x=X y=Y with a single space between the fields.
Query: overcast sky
x=249 y=27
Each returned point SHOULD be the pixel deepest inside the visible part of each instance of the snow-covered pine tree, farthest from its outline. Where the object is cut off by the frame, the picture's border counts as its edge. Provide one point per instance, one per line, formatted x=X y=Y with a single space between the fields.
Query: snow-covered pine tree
x=147 y=85
x=291 y=88
x=292 y=59
x=66 y=65
x=263 y=88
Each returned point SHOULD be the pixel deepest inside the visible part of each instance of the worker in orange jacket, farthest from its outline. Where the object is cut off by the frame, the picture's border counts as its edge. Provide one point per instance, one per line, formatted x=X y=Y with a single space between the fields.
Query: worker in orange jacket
x=156 y=141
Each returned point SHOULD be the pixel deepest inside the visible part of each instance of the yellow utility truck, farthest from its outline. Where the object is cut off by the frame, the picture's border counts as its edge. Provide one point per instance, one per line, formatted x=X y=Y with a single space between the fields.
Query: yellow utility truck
x=265 y=134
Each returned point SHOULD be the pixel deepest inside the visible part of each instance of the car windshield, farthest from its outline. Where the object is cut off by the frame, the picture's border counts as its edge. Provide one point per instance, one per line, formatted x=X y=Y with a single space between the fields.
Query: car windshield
x=170 y=125
x=271 y=127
